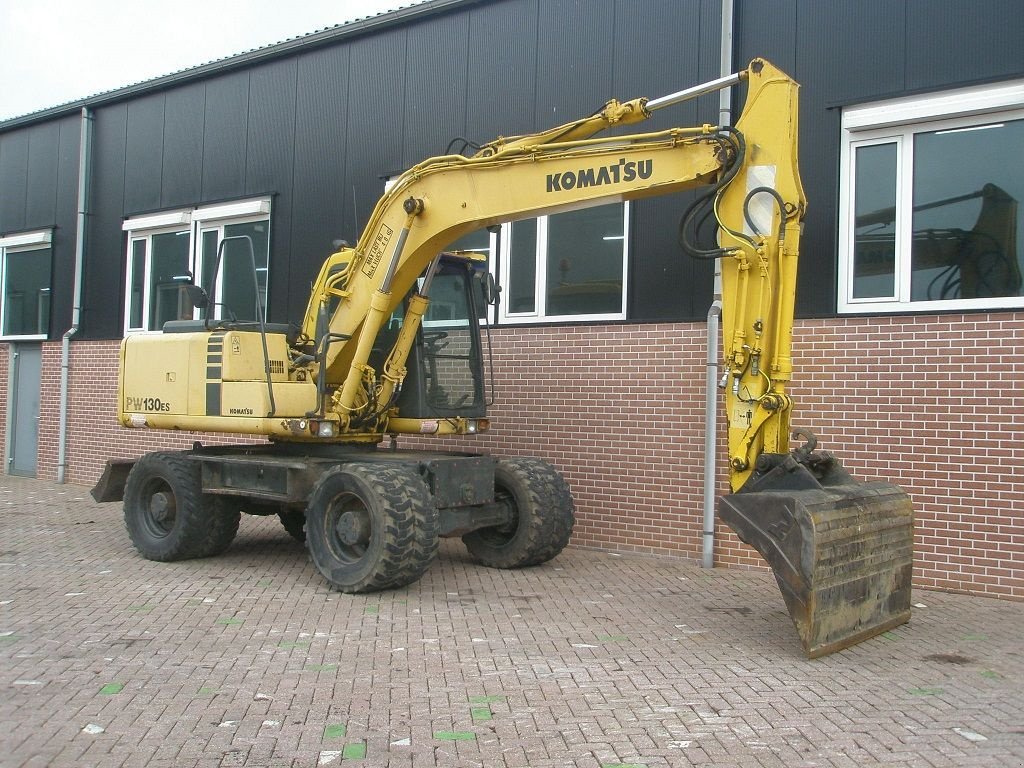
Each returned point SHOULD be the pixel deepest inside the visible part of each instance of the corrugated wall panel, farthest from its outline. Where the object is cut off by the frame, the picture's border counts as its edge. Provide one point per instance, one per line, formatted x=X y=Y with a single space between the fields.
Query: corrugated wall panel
x=270 y=159
x=437 y=55
x=14 y=148
x=375 y=114
x=144 y=151
x=66 y=221
x=41 y=193
x=320 y=196
x=182 y=172
x=662 y=46
x=501 y=69
x=950 y=43
x=104 y=276
x=575 y=70
x=226 y=117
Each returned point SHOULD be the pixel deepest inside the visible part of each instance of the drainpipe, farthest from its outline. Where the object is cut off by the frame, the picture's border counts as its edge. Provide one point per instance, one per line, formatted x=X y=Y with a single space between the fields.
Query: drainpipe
x=84 y=158
x=714 y=317
x=710 y=411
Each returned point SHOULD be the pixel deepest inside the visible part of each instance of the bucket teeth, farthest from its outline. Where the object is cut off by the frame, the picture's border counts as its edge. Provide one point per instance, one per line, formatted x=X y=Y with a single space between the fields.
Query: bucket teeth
x=841 y=551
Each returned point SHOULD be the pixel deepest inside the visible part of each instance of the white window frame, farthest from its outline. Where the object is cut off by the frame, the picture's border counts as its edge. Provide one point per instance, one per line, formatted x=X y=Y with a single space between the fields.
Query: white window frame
x=539 y=313
x=38 y=240
x=144 y=228
x=216 y=218
x=193 y=221
x=896 y=122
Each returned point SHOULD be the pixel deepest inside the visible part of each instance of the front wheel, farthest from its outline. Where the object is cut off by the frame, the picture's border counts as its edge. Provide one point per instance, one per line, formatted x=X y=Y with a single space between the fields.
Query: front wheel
x=166 y=514
x=541 y=517
x=371 y=527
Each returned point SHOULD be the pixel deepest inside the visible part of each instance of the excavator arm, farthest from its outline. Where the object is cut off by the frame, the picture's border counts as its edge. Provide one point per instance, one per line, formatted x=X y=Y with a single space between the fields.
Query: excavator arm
x=755 y=196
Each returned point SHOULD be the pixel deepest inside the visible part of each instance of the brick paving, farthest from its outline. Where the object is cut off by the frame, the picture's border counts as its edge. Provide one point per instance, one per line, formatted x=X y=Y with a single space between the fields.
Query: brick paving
x=593 y=660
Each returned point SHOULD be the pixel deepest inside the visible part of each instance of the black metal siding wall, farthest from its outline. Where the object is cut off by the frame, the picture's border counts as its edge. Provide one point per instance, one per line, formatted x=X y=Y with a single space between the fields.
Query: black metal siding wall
x=846 y=53
x=317 y=129
x=38 y=190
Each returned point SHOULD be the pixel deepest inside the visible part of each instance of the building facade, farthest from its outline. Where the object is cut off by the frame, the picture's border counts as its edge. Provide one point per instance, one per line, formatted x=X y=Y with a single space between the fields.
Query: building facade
x=908 y=345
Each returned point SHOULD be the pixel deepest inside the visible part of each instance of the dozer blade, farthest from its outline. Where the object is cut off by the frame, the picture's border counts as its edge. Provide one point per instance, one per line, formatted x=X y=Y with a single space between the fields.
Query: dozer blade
x=841 y=551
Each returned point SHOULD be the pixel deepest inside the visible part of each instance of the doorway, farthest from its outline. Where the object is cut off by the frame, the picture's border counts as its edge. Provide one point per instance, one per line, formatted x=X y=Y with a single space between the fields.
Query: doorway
x=23 y=416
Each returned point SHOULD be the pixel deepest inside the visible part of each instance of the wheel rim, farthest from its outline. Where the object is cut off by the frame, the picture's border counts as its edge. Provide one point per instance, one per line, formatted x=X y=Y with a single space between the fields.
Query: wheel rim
x=349 y=528
x=500 y=535
x=159 y=509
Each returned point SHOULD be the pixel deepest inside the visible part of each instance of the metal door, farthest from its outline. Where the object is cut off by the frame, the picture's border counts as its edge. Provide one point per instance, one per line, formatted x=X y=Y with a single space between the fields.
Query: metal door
x=23 y=419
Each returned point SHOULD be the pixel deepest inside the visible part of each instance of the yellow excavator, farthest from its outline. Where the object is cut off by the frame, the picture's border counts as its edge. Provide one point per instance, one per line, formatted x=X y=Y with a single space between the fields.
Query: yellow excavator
x=390 y=345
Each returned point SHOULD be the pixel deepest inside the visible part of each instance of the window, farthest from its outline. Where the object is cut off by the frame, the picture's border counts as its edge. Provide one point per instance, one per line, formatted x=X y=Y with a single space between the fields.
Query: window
x=930 y=211
x=25 y=266
x=167 y=251
x=567 y=266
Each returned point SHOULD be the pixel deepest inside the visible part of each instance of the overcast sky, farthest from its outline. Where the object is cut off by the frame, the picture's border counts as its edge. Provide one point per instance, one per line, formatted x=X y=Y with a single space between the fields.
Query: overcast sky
x=55 y=51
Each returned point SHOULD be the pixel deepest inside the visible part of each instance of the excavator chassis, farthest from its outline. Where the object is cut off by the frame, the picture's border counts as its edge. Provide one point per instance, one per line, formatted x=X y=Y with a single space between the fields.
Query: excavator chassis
x=841 y=550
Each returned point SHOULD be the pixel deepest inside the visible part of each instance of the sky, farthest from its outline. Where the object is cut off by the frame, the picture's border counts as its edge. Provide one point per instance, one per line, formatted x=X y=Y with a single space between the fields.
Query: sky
x=56 y=51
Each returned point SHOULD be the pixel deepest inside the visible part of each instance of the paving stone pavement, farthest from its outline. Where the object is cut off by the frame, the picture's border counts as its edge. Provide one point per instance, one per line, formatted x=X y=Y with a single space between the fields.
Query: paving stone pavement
x=593 y=660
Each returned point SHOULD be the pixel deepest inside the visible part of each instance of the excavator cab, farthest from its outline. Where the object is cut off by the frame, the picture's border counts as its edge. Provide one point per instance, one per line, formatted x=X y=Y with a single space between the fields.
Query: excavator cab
x=445 y=376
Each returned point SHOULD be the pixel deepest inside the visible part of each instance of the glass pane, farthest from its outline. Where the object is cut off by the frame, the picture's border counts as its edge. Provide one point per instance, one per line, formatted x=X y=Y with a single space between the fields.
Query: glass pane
x=27 y=293
x=874 y=243
x=584 y=261
x=238 y=293
x=209 y=260
x=522 y=267
x=450 y=364
x=138 y=283
x=478 y=241
x=967 y=182
x=169 y=273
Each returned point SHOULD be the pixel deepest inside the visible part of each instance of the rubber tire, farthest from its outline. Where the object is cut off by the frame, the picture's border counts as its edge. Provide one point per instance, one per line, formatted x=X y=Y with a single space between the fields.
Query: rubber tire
x=201 y=525
x=544 y=516
x=294 y=521
x=399 y=539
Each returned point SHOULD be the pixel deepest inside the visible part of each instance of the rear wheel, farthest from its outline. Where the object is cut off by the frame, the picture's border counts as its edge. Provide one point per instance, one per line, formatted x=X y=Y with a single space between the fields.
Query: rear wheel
x=294 y=521
x=371 y=527
x=541 y=520
x=167 y=515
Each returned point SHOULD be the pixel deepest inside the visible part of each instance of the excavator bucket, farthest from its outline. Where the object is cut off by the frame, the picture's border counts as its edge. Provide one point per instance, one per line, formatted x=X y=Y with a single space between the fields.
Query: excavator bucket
x=841 y=551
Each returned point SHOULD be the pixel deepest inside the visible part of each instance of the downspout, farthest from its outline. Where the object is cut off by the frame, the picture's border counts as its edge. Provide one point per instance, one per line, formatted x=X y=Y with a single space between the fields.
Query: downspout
x=714 y=317
x=84 y=166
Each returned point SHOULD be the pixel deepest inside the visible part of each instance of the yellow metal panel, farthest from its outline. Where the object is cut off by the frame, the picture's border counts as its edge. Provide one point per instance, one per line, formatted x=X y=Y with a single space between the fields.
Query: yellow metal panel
x=156 y=374
x=243 y=357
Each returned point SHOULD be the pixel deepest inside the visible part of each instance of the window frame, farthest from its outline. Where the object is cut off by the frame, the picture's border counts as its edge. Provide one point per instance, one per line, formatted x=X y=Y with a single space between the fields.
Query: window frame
x=23 y=242
x=539 y=313
x=897 y=122
x=195 y=221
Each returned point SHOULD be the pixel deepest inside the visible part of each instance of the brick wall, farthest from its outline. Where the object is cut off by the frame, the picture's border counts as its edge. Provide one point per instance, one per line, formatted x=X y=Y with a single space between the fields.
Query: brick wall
x=930 y=403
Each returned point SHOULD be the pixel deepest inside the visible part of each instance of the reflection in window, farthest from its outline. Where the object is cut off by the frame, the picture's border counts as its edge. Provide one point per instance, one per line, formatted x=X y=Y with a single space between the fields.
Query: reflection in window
x=566 y=265
x=168 y=276
x=584 y=262
x=931 y=207
x=965 y=216
x=874 y=257
x=26 y=295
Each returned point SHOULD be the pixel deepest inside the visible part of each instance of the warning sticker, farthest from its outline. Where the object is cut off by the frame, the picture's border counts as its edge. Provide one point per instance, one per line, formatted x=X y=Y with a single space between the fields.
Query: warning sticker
x=742 y=416
x=380 y=244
